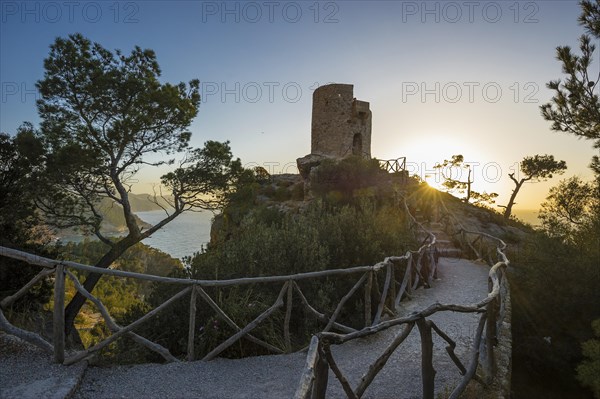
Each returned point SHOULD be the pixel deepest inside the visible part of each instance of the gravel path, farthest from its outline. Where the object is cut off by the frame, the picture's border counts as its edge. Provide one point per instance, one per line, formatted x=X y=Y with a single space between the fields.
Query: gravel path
x=28 y=372
x=460 y=282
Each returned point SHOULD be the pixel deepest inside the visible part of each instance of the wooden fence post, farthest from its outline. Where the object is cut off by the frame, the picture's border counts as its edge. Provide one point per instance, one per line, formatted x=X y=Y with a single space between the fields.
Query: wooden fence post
x=426 y=270
x=288 y=317
x=368 y=288
x=192 y=325
x=393 y=288
x=427 y=370
x=384 y=293
x=321 y=375
x=59 y=314
x=417 y=271
x=409 y=276
x=490 y=336
x=434 y=262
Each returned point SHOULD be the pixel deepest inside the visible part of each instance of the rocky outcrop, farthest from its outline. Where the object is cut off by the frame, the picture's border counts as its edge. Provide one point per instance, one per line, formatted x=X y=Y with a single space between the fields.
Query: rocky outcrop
x=307 y=163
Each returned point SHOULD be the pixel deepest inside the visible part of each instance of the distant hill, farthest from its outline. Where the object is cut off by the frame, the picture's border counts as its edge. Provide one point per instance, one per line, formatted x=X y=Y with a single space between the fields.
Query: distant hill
x=145 y=202
x=113 y=223
x=113 y=213
x=528 y=216
x=113 y=220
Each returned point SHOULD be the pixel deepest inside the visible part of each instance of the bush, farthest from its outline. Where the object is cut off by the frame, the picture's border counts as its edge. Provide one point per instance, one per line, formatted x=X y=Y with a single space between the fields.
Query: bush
x=588 y=372
x=271 y=243
x=554 y=289
x=347 y=177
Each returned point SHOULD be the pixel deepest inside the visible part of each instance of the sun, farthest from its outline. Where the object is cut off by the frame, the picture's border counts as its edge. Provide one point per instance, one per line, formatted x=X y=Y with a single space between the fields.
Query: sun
x=425 y=151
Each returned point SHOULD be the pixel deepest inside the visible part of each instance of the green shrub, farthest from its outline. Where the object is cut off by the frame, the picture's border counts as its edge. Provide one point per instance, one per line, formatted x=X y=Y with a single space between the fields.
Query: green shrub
x=297 y=193
x=554 y=290
x=588 y=372
x=270 y=243
x=347 y=177
x=282 y=194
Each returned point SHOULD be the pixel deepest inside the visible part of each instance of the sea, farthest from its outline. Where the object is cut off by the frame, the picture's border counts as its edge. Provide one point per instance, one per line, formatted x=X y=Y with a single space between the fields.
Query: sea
x=183 y=236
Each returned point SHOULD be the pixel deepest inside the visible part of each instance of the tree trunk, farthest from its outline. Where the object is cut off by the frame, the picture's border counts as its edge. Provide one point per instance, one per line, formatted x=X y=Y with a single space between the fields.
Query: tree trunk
x=511 y=202
x=78 y=300
x=468 y=187
x=115 y=252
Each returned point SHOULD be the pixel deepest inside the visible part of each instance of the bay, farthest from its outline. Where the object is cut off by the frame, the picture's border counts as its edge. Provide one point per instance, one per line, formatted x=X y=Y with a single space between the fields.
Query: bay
x=183 y=236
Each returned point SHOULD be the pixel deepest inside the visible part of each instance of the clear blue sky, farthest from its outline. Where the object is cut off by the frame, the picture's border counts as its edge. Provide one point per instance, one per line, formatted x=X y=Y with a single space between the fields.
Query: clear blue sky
x=442 y=77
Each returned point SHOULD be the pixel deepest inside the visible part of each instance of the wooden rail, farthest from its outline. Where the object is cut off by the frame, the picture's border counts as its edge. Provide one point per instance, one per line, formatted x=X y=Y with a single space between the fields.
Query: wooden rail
x=490 y=320
x=418 y=269
x=391 y=294
x=393 y=165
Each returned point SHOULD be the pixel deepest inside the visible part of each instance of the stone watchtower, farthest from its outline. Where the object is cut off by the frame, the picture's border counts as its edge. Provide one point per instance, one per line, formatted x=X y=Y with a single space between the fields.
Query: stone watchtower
x=341 y=126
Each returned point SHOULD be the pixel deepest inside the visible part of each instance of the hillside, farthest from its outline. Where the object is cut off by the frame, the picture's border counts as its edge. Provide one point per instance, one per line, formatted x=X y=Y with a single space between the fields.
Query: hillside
x=113 y=219
x=145 y=202
x=485 y=220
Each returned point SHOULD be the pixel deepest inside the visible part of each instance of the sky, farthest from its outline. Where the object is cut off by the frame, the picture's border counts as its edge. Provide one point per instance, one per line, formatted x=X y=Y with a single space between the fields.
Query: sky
x=442 y=77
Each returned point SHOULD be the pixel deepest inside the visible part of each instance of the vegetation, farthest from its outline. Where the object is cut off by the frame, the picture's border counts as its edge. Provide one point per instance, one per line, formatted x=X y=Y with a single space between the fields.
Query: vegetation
x=269 y=242
x=589 y=369
x=19 y=223
x=575 y=106
x=569 y=207
x=117 y=294
x=140 y=258
x=256 y=237
x=555 y=296
x=538 y=168
x=555 y=279
x=345 y=180
x=103 y=115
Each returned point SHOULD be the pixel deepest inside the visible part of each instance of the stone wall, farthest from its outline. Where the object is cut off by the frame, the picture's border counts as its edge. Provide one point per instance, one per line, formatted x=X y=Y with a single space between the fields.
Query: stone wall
x=341 y=125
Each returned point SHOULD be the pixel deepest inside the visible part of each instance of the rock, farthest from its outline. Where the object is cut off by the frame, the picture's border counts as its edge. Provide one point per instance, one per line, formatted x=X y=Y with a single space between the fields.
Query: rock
x=217 y=228
x=286 y=179
x=306 y=163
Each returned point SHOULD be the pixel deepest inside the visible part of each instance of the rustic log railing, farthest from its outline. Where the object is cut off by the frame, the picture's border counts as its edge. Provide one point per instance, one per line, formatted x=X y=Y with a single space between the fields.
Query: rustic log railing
x=490 y=249
x=420 y=267
x=480 y=246
x=313 y=381
x=393 y=165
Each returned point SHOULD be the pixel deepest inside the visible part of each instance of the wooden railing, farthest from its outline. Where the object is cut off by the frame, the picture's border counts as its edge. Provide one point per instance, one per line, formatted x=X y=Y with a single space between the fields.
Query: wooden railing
x=393 y=165
x=420 y=267
x=490 y=249
x=313 y=383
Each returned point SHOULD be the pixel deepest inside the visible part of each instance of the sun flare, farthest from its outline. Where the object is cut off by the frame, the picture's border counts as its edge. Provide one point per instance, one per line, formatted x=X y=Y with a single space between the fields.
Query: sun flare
x=424 y=153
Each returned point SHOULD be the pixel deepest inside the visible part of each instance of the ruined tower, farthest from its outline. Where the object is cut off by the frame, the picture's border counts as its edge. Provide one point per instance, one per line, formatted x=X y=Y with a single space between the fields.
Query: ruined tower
x=341 y=124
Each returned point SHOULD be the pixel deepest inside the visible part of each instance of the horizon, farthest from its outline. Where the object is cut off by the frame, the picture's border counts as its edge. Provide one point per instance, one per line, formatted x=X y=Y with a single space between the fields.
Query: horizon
x=441 y=78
